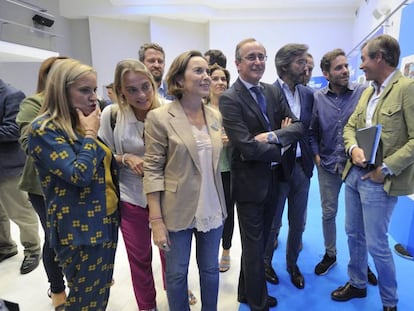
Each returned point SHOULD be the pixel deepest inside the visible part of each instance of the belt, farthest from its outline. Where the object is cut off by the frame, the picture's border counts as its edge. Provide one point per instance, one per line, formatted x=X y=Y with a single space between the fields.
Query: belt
x=274 y=166
x=298 y=159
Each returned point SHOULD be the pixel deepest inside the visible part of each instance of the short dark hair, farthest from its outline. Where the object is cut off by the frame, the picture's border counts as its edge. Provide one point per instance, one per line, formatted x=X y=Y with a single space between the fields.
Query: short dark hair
x=285 y=55
x=329 y=57
x=216 y=57
x=145 y=47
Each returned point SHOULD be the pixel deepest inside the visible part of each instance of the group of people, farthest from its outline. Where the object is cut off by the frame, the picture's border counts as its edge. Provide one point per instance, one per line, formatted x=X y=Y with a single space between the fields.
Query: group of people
x=171 y=158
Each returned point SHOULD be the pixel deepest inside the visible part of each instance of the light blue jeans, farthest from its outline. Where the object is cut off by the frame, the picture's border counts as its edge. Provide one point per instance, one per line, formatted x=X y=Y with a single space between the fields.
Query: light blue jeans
x=177 y=259
x=368 y=213
x=329 y=187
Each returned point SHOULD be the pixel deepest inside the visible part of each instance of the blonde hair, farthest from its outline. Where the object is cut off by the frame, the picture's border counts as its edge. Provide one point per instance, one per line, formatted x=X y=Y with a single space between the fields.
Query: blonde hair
x=57 y=106
x=135 y=66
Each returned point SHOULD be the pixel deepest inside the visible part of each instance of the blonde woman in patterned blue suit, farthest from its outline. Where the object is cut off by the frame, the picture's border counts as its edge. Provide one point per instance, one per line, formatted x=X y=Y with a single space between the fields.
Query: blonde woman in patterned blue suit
x=79 y=180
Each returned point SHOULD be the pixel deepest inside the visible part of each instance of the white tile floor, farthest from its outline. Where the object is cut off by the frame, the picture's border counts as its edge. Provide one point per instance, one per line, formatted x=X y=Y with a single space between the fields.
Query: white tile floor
x=30 y=290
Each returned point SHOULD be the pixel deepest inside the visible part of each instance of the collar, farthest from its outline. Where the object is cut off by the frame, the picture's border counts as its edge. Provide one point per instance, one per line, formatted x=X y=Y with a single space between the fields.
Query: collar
x=379 y=88
x=249 y=85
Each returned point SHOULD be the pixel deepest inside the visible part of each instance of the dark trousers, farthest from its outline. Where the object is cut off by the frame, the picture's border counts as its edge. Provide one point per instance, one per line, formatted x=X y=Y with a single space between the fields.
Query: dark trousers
x=255 y=219
x=229 y=222
x=296 y=192
x=50 y=263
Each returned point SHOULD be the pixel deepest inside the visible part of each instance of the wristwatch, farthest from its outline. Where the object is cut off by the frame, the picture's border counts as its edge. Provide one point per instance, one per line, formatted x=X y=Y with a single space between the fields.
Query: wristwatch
x=271 y=138
x=385 y=170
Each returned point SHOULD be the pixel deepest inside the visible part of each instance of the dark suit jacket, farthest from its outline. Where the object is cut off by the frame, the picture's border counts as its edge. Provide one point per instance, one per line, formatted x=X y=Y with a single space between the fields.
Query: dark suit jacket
x=12 y=157
x=306 y=106
x=243 y=120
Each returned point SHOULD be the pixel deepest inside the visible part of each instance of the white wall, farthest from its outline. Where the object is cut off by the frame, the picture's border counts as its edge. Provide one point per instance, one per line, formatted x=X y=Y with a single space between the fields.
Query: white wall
x=73 y=41
x=365 y=23
x=111 y=41
x=177 y=37
x=103 y=42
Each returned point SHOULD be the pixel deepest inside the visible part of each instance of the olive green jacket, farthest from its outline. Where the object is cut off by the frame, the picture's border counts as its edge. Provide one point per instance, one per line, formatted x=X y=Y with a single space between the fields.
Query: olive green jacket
x=395 y=112
x=29 y=109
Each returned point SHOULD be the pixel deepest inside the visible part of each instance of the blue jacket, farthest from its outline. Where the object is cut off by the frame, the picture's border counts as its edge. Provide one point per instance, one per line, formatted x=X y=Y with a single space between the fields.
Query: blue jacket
x=72 y=176
x=306 y=106
x=12 y=157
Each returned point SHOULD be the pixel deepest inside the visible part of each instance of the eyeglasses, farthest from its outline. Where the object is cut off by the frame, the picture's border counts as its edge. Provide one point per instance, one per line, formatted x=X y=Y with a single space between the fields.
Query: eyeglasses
x=301 y=62
x=253 y=57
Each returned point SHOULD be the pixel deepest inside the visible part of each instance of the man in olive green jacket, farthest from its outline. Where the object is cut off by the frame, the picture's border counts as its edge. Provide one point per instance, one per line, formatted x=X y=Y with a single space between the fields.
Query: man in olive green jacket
x=372 y=191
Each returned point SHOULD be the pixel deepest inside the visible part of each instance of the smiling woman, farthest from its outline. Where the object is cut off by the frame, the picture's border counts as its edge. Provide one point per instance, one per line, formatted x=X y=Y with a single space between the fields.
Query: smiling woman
x=122 y=129
x=183 y=183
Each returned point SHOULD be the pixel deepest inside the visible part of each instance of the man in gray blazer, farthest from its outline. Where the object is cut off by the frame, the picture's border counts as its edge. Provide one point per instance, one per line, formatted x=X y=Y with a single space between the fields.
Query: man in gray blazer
x=261 y=128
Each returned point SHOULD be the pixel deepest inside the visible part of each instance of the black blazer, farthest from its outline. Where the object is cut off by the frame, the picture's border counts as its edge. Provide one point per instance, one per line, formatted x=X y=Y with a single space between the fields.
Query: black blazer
x=242 y=121
x=306 y=106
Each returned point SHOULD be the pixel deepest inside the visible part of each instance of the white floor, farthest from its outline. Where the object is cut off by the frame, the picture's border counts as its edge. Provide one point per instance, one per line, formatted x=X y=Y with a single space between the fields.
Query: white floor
x=30 y=290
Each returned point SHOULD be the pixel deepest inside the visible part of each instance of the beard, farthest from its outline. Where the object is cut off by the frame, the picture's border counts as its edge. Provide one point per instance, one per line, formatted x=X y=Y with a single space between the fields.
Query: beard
x=157 y=78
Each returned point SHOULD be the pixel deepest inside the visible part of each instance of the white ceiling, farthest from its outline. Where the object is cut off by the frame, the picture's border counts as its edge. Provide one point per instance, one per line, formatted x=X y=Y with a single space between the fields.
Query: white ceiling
x=199 y=11
x=206 y=10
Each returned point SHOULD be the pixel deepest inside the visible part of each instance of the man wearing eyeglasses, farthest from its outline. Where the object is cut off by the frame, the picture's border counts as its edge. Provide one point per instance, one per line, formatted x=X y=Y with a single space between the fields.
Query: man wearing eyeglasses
x=291 y=62
x=260 y=128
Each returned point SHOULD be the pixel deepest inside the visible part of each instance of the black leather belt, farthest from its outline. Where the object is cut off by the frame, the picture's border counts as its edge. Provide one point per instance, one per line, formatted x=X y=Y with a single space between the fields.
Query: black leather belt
x=298 y=159
x=274 y=166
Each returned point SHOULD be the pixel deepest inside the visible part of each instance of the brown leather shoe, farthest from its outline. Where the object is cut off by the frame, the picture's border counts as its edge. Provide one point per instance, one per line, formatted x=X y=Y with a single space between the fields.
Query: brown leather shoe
x=348 y=292
x=372 y=279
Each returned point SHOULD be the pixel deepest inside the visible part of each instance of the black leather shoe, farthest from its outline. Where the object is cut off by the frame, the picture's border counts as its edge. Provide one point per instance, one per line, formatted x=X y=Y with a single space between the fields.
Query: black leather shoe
x=348 y=292
x=296 y=277
x=390 y=308
x=271 y=275
x=372 y=279
x=30 y=263
x=271 y=301
x=8 y=255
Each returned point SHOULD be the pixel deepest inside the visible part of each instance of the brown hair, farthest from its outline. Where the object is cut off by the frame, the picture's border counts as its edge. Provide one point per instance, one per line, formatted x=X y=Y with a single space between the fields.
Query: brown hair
x=44 y=71
x=176 y=72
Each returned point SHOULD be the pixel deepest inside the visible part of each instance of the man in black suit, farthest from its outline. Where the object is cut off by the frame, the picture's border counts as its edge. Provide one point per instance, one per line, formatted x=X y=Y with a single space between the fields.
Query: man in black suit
x=260 y=128
x=291 y=64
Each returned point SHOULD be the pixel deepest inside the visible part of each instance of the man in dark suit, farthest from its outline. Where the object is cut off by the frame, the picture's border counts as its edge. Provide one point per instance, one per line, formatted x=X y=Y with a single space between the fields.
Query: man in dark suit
x=260 y=127
x=290 y=63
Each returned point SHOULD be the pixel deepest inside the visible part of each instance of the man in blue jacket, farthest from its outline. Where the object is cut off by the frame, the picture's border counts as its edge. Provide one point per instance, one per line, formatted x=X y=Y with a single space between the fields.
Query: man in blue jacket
x=14 y=204
x=291 y=61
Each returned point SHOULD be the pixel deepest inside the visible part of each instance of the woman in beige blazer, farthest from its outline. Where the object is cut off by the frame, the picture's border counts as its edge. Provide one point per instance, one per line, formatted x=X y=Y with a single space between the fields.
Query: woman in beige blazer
x=182 y=180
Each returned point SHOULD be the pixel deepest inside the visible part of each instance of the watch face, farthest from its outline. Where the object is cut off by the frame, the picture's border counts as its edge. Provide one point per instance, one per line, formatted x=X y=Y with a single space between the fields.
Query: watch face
x=270 y=137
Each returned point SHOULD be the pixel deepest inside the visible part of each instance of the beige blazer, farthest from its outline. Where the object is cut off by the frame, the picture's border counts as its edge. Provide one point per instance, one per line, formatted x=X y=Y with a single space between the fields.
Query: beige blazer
x=172 y=165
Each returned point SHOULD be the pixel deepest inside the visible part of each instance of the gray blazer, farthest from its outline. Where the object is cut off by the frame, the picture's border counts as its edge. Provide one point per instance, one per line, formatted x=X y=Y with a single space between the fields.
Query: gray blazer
x=172 y=165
